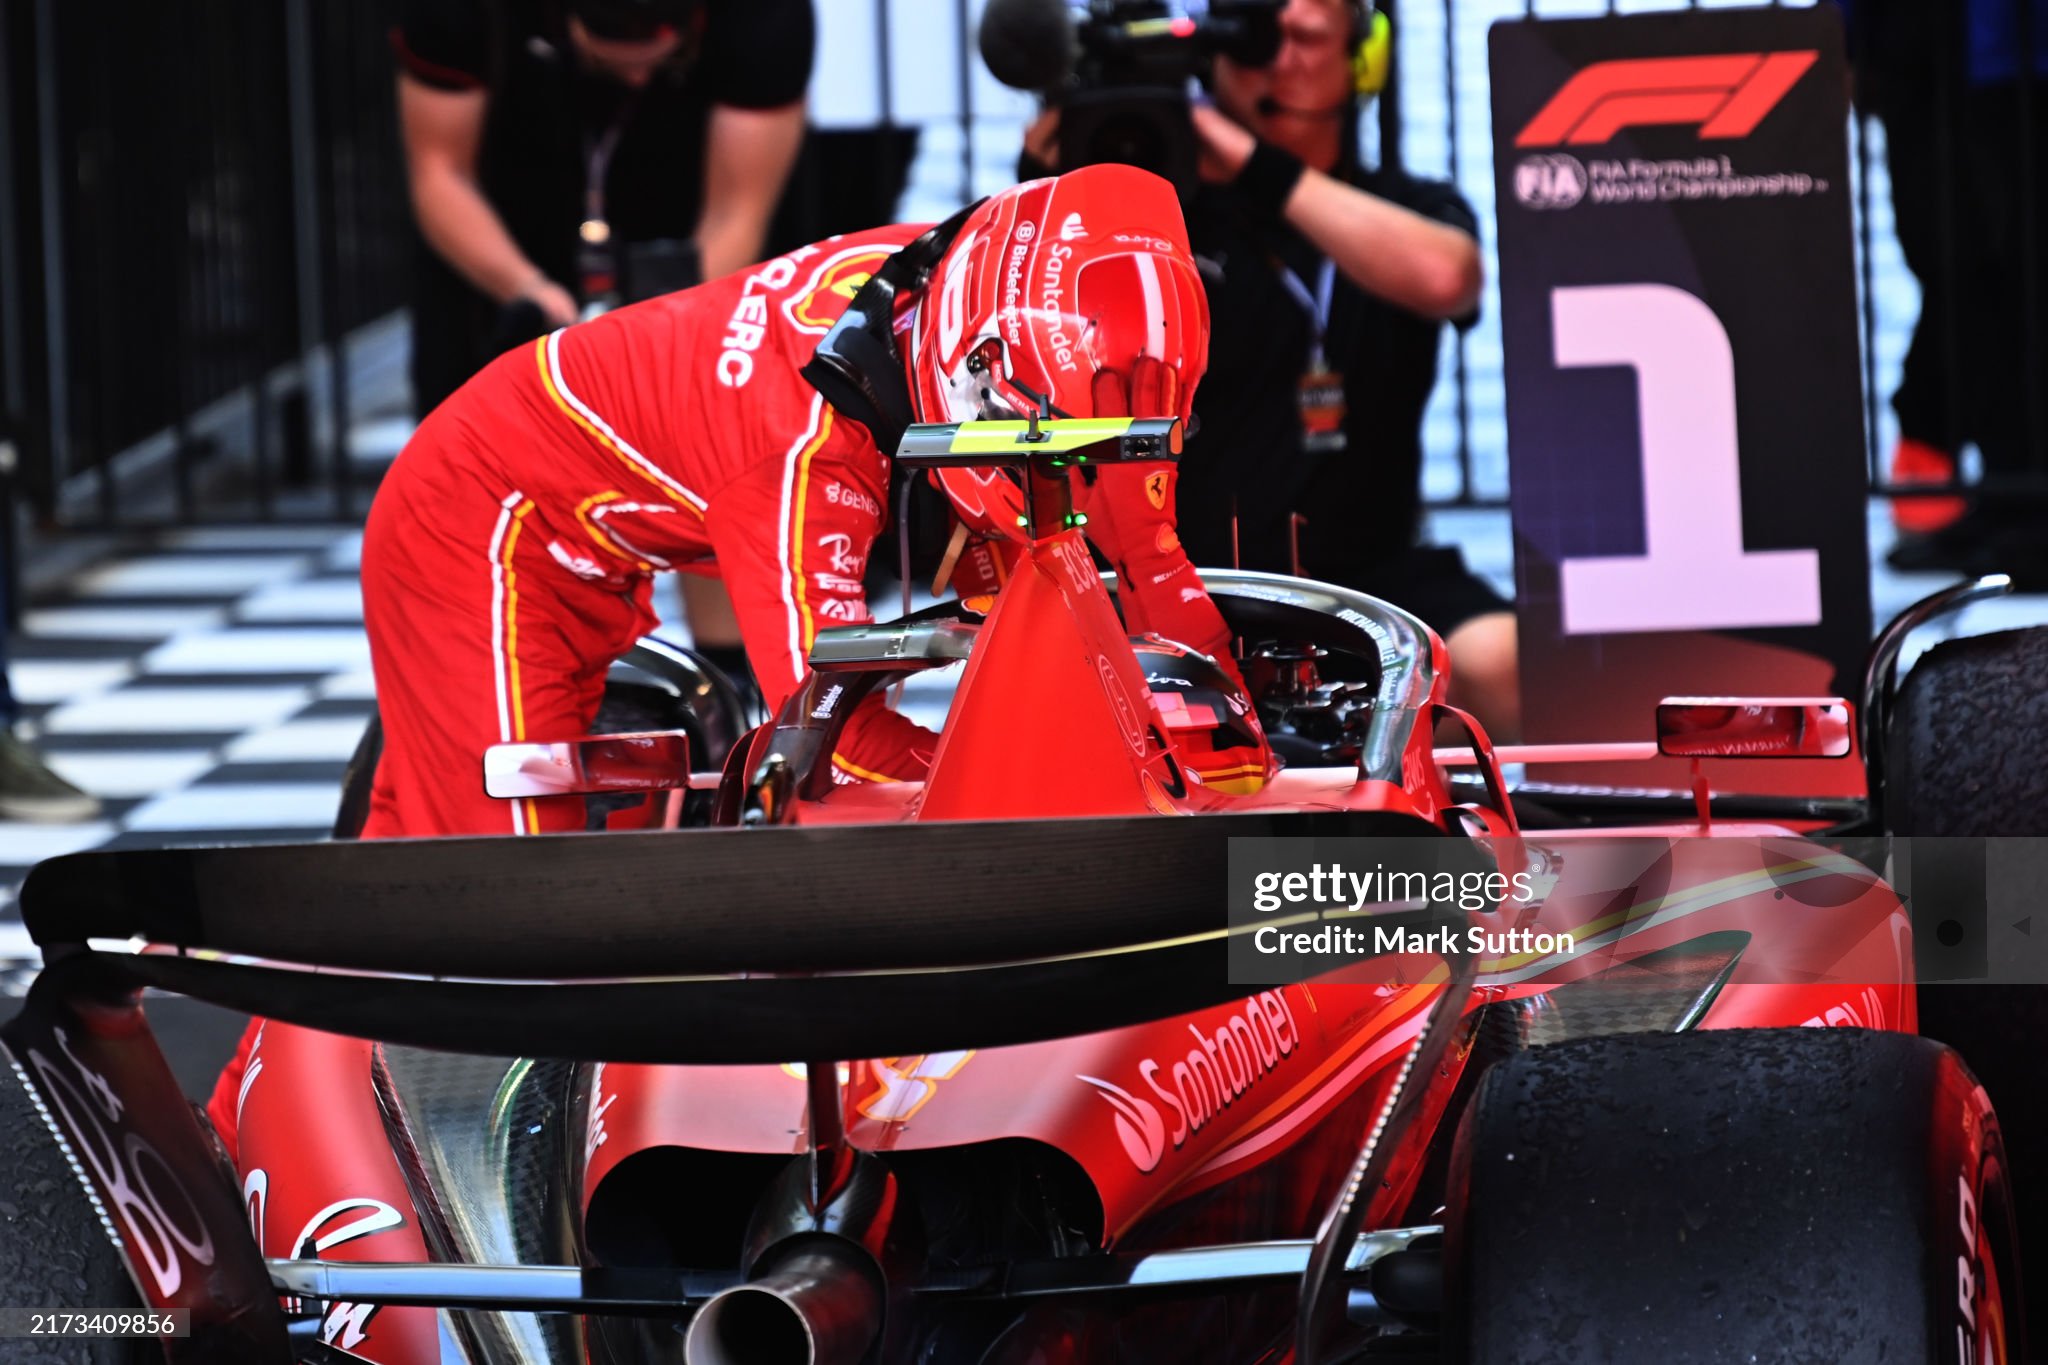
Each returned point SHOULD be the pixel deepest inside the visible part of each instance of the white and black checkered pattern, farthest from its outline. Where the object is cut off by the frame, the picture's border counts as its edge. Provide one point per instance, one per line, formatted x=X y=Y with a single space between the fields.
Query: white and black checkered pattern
x=208 y=689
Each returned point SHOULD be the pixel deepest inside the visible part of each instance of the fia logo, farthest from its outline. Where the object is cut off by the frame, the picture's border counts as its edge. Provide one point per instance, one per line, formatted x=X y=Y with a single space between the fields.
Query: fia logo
x=1550 y=181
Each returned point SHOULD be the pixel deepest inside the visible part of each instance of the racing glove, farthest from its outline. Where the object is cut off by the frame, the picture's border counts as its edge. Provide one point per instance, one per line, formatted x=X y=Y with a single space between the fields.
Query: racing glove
x=1130 y=511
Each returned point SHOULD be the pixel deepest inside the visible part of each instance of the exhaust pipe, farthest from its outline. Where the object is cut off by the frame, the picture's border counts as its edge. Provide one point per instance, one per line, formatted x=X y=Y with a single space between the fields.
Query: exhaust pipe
x=820 y=1305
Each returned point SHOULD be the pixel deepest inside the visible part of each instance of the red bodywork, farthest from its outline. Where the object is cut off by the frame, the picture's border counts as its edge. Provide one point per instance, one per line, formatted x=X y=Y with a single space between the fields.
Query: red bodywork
x=1235 y=1102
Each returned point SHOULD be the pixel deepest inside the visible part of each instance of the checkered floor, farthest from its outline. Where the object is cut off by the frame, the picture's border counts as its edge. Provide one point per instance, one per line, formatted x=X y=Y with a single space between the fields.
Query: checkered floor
x=209 y=689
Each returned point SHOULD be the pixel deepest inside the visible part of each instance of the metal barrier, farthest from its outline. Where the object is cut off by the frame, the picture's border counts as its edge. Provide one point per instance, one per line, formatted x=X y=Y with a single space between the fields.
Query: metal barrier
x=193 y=219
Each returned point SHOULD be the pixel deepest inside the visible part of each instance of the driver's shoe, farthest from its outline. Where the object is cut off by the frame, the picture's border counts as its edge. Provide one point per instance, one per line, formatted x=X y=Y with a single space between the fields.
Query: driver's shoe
x=30 y=791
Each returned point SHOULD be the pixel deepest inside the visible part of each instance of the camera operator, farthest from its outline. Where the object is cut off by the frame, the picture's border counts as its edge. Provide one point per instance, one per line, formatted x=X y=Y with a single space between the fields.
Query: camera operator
x=566 y=152
x=1329 y=285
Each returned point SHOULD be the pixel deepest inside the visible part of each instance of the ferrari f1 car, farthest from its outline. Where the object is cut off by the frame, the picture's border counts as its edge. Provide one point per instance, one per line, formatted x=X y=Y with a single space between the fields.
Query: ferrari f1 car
x=956 y=1071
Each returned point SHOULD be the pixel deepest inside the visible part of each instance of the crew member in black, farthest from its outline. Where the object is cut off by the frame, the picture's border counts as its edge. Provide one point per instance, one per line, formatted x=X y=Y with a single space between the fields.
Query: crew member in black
x=565 y=154
x=556 y=147
x=1328 y=289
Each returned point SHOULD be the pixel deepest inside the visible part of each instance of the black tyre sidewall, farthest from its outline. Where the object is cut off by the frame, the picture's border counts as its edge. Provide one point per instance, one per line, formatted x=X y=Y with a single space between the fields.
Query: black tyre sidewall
x=1963 y=753
x=54 y=1251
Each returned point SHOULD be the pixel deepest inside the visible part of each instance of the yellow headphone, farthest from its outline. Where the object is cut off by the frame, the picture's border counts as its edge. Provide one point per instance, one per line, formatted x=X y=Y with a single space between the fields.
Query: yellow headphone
x=1372 y=52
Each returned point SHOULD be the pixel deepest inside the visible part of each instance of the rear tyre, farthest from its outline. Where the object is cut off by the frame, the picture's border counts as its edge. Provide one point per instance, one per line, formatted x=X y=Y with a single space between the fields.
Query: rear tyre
x=1968 y=749
x=1967 y=755
x=1771 y=1195
x=54 y=1251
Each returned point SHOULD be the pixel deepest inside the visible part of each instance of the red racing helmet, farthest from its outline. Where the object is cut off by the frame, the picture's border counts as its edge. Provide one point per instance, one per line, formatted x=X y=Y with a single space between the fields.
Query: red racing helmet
x=1047 y=284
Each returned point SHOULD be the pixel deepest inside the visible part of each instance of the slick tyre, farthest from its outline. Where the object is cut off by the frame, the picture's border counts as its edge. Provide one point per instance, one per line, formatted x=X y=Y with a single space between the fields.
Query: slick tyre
x=54 y=1252
x=1966 y=754
x=1780 y=1195
x=1967 y=751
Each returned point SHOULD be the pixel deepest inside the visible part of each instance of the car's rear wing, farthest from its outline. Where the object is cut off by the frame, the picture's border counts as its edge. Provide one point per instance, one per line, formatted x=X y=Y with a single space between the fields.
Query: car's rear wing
x=728 y=946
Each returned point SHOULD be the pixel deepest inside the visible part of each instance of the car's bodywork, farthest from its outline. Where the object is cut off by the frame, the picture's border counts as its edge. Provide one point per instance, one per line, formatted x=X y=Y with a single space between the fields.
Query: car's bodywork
x=982 y=1090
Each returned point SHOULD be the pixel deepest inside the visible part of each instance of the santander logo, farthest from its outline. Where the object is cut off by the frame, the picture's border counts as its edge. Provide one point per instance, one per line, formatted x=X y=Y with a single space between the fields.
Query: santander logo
x=1138 y=1125
x=1196 y=1087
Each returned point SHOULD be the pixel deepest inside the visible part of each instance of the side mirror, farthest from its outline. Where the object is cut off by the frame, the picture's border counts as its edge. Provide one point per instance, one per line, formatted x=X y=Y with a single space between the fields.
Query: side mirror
x=1754 y=727
x=658 y=760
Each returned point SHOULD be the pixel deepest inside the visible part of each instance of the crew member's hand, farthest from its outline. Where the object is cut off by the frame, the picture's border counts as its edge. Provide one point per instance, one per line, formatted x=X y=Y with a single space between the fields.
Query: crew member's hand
x=1222 y=145
x=557 y=305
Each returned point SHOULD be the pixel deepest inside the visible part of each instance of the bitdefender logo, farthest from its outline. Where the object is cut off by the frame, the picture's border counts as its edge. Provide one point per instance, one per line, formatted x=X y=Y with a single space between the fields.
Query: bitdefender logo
x=1726 y=96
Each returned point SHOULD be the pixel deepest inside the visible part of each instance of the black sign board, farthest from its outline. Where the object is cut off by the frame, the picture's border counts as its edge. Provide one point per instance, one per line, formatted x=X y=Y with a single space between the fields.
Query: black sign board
x=1684 y=408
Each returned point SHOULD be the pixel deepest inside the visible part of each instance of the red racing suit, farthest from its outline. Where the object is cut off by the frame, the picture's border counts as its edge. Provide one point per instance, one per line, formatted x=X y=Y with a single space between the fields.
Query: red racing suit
x=508 y=555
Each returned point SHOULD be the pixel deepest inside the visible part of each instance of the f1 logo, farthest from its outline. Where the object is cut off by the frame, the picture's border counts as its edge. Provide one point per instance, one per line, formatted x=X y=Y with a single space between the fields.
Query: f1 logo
x=1727 y=96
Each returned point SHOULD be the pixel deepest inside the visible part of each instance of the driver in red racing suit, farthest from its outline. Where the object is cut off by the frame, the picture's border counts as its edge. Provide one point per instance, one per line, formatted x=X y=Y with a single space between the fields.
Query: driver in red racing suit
x=742 y=428
x=507 y=558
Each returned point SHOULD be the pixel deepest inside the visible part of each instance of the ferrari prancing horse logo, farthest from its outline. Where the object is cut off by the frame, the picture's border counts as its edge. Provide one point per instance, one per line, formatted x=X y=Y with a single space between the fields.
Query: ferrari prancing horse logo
x=819 y=305
x=1156 y=486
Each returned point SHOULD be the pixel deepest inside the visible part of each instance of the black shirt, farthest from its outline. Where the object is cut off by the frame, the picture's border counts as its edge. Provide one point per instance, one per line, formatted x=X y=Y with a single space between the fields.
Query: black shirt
x=1362 y=504
x=547 y=116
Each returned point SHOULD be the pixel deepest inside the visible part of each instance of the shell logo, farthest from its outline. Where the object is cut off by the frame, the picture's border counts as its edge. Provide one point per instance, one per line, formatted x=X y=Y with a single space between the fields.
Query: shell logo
x=904 y=1085
x=833 y=287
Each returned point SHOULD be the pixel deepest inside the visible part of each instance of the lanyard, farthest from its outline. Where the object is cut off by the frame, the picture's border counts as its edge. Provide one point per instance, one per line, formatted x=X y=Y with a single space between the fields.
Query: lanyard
x=1316 y=305
x=597 y=260
x=597 y=163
